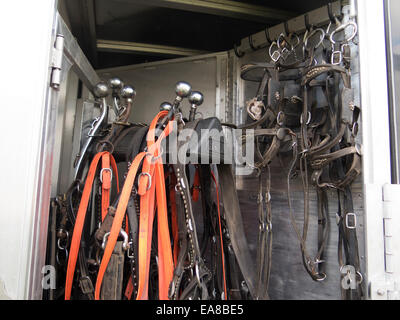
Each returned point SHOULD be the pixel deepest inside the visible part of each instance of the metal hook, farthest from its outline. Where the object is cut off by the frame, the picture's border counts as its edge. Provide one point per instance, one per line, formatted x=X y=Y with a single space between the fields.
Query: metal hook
x=309 y=27
x=267 y=36
x=252 y=45
x=235 y=49
x=332 y=17
x=286 y=26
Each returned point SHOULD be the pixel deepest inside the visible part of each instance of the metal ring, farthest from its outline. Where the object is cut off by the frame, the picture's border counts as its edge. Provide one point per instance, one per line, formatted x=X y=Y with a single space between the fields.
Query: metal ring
x=309 y=119
x=278 y=118
x=59 y=246
x=58 y=259
x=323 y=278
x=361 y=277
x=312 y=33
x=154 y=159
x=149 y=176
x=278 y=41
x=343 y=27
x=100 y=145
x=296 y=36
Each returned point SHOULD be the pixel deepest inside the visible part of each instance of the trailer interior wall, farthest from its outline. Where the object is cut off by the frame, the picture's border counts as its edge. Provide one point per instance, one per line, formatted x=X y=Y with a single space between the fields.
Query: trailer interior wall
x=26 y=141
x=289 y=280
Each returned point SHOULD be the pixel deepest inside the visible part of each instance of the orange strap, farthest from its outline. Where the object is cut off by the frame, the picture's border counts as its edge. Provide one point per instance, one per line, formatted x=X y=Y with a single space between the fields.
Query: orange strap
x=155 y=170
x=118 y=219
x=220 y=233
x=106 y=178
x=146 y=212
x=80 y=221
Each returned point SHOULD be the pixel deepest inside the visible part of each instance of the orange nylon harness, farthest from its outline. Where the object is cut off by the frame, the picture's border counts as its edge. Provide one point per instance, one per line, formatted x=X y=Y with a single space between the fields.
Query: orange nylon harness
x=81 y=215
x=149 y=192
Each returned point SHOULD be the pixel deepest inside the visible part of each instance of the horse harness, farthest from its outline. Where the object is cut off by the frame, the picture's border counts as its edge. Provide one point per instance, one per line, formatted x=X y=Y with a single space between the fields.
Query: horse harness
x=145 y=227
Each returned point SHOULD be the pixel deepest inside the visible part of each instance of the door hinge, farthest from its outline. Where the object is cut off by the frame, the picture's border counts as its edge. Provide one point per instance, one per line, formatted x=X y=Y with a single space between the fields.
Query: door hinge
x=391 y=203
x=389 y=289
x=56 y=62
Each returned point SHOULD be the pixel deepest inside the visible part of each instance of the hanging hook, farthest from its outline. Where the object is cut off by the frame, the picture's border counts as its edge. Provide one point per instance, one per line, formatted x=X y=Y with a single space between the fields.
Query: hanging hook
x=252 y=45
x=286 y=26
x=309 y=27
x=332 y=17
x=267 y=36
x=235 y=49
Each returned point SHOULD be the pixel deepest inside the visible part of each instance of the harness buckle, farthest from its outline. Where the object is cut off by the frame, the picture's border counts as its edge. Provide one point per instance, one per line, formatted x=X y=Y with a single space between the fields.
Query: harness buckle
x=86 y=285
x=130 y=253
x=336 y=58
x=354 y=225
x=101 y=173
x=149 y=176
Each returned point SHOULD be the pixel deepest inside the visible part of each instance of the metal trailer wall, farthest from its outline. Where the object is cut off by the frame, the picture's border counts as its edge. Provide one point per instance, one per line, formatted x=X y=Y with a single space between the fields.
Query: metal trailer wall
x=289 y=280
x=25 y=140
x=155 y=83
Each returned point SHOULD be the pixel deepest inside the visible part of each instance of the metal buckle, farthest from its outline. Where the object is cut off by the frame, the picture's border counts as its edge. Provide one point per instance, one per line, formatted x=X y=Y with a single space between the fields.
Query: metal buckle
x=336 y=58
x=130 y=253
x=149 y=176
x=276 y=55
x=348 y=226
x=125 y=245
x=101 y=174
x=86 y=285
